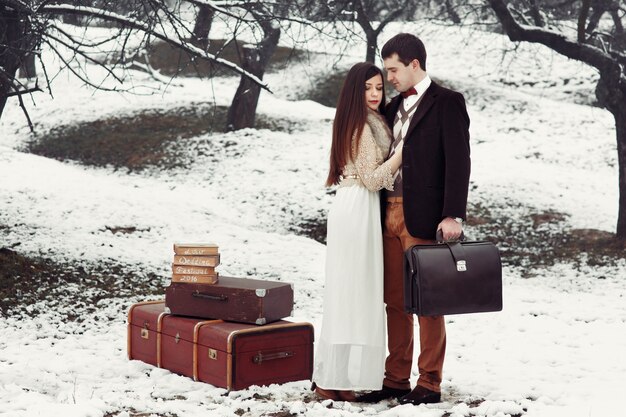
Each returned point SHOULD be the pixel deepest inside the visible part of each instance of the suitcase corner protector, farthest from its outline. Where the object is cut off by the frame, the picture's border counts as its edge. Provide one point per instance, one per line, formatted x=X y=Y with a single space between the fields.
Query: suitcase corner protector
x=261 y=321
x=261 y=292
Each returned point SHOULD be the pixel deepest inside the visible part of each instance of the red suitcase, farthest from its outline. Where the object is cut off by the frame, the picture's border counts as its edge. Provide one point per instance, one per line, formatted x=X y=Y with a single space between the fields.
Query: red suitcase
x=242 y=300
x=228 y=355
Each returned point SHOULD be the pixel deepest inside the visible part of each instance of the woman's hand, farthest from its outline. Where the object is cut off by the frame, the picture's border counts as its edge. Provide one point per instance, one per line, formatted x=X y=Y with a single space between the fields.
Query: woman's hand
x=396 y=158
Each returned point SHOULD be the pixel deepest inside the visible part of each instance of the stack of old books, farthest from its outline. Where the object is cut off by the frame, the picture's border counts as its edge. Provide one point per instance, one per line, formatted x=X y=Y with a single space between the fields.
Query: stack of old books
x=195 y=263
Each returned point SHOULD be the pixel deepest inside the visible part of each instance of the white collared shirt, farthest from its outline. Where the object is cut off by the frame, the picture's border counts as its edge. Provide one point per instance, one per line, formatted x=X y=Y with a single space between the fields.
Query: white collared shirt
x=421 y=88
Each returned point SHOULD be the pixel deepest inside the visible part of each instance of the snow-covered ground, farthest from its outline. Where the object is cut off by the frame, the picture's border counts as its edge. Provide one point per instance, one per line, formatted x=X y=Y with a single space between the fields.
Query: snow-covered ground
x=555 y=350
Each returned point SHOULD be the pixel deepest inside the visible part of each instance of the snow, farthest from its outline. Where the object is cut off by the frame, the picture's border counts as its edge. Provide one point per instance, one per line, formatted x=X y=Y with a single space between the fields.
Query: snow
x=555 y=350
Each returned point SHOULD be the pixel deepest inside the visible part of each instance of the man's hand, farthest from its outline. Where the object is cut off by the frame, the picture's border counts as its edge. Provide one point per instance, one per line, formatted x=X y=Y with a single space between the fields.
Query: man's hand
x=450 y=228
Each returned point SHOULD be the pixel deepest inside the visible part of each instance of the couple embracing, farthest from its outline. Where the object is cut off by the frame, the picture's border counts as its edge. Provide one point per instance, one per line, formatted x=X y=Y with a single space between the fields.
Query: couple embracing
x=402 y=171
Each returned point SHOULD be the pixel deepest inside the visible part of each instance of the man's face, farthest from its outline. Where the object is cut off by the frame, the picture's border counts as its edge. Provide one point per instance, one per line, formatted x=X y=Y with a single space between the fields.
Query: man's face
x=401 y=76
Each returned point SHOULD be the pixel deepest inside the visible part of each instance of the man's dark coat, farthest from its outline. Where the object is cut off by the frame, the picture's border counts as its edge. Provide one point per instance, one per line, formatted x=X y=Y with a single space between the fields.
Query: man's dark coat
x=435 y=160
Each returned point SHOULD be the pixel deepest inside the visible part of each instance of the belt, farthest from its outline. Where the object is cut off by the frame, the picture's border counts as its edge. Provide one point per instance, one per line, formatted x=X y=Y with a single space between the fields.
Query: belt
x=394 y=199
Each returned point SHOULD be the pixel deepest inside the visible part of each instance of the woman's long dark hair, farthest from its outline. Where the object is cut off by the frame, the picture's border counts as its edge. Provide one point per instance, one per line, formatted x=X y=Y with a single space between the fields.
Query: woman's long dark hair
x=350 y=117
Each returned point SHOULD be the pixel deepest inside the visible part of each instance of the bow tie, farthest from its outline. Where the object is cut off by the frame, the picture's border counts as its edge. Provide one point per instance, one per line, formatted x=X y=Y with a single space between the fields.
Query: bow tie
x=409 y=92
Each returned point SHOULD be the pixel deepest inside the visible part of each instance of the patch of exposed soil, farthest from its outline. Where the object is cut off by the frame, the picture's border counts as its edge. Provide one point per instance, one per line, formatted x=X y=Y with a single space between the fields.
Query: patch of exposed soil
x=529 y=239
x=26 y=281
x=535 y=239
x=138 y=141
x=131 y=141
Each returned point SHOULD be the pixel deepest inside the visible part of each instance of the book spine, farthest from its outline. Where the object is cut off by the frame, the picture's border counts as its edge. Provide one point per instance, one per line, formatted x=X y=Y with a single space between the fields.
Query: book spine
x=188 y=251
x=212 y=260
x=195 y=279
x=192 y=270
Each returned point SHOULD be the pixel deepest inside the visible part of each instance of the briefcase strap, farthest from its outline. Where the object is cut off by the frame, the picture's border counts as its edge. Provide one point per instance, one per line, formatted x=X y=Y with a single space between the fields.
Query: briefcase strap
x=458 y=253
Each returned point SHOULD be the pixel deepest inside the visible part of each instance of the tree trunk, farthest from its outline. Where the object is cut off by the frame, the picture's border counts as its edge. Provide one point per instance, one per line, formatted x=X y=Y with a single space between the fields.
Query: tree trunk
x=372 y=45
x=28 y=68
x=611 y=94
x=12 y=46
x=535 y=13
x=242 y=111
x=596 y=15
x=620 y=127
x=451 y=11
x=200 y=37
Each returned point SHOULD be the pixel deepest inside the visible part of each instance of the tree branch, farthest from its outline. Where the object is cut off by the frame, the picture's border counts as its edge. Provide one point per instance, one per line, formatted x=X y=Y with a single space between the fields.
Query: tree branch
x=362 y=18
x=75 y=72
x=137 y=25
x=582 y=20
x=81 y=42
x=220 y=7
x=30 y=123
x=392 y=16
x=23 y=92
x=586 y=53
x=87 y=57
x=18 y=5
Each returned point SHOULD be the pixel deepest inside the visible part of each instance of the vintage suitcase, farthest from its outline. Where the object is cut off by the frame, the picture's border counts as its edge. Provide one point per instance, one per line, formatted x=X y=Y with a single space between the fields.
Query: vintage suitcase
x=234 y=299
x=452 y=278
x=225 y=354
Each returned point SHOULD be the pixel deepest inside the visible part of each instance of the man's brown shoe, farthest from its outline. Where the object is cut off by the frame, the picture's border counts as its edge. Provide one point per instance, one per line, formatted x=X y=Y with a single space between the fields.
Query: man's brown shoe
x=382 y=394
x=421 y=395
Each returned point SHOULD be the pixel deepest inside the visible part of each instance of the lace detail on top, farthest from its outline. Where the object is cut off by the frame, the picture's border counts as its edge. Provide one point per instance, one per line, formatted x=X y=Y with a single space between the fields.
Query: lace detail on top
x=372 y=172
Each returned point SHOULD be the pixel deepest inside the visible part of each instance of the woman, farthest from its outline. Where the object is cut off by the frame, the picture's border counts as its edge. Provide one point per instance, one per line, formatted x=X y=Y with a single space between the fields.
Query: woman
x=351 y=350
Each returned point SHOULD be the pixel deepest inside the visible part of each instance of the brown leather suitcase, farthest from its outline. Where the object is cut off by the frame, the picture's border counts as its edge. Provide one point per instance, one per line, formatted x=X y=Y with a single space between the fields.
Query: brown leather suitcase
x=225 y=354
x=234 y=299
x=452 y=278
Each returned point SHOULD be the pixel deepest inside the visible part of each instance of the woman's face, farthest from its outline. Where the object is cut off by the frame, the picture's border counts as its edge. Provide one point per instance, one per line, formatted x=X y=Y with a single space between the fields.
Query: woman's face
x=374 y=91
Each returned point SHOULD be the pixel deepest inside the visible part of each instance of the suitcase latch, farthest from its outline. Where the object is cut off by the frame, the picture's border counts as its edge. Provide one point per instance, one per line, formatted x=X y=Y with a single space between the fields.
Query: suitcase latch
x=145 y=334
x=212 y=354
x=461 y=266
x=177 y=338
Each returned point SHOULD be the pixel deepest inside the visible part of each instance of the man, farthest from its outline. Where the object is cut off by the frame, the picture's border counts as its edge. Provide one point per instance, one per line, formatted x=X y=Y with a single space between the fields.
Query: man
x=431 y=124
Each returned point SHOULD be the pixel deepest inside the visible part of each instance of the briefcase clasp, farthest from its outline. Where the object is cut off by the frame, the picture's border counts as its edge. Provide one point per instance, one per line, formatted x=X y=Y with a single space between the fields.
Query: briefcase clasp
x=461 y=266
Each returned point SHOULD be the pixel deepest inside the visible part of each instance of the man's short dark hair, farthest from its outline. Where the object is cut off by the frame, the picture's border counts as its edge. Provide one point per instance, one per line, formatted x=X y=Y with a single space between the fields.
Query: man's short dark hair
x=408 y=47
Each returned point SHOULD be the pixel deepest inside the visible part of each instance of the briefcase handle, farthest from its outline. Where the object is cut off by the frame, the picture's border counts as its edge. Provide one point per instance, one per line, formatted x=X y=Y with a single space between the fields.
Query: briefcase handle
x=439 y=237
x=198 y=294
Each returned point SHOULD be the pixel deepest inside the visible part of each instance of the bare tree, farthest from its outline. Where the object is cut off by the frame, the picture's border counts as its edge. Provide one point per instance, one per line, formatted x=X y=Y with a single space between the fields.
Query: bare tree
x=26 y=26
x=367 y=12
x=268 y=20
x=255 y=58
x=372 y=16
x=605 y=51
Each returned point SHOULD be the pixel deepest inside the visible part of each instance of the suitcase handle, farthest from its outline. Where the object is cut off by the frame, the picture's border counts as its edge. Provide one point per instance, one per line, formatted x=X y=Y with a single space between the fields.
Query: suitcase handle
x=209 y=296
x=262 y=357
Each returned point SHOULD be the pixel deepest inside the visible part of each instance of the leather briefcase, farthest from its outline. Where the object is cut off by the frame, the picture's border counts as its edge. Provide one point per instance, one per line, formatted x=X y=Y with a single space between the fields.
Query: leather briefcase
x=452 y=278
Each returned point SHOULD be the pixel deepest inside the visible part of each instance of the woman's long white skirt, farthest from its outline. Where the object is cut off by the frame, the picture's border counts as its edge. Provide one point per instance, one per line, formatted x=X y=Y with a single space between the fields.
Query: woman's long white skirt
x=350 y=352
